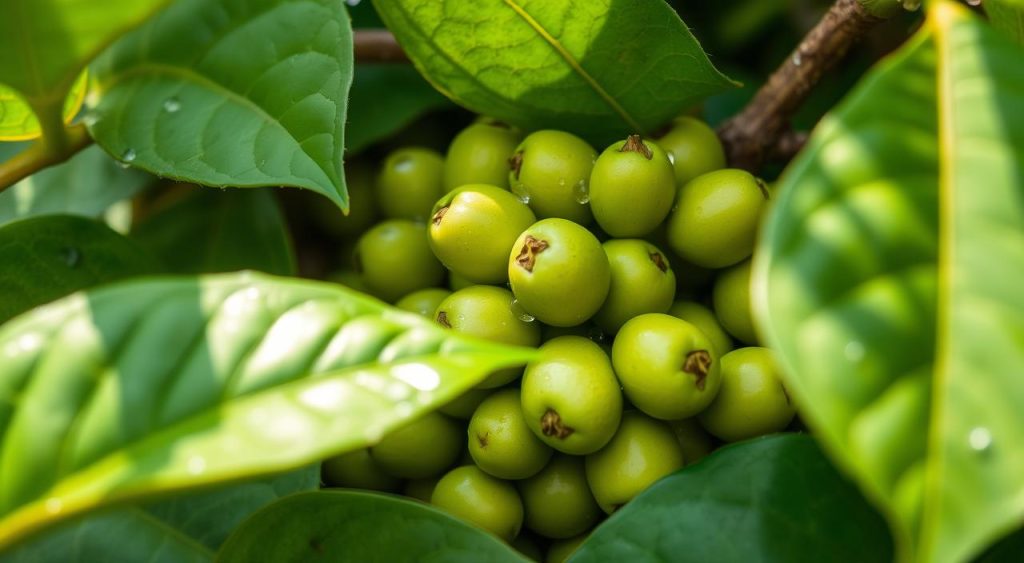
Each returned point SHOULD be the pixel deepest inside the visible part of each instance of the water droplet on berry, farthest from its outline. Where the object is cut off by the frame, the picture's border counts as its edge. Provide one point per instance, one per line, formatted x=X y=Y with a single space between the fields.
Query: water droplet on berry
x=582 y=192
x=520 y=313
x=520 y=191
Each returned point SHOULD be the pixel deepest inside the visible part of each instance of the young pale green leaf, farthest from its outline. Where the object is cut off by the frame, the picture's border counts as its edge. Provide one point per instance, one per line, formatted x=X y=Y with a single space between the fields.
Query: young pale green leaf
x=184 y=529
x=1007 y=16
x=224 y=230
x=352 y=527
x=384 y=99
x=770 y=499
x=156 y=386
x=47 y=257
x=45 y=45
x=88 y=184
x=888 y=278
x=600 y=68
x=231 y=93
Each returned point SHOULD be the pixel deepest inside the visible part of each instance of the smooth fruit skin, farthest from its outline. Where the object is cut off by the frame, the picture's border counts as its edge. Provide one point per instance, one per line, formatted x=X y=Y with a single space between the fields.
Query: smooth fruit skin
x=570 y=396
x=557 y=501
x=470 y=494
x=423 y=302
x=394 y=259
x=714 y=222
x=559 y=272
x=630 y=194
x=695 y=148
x=667 y=366
x=479 y=155
x=701 y=317
x=409 y=183
x=694 y=441
x=423 y=448
x=552 y=170
x=642 y=282
x=752 y=401
x=485 y=311
x=560 y=551
x=642 y=451
x=357 y=470
x=501 y=443
x=473 y=228
x=731 y=299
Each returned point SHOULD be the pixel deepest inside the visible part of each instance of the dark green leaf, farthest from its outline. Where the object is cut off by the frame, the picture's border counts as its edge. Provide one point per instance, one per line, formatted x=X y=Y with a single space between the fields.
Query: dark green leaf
x=889 y=279
x=770 y=499
x=1007 y=16
x=87 y=185
x=354 y=527
x=384 y=99
x=183 y=529
x=157 y=386
x=213 y=231
x=232 y=93
x=43 y=258
x=601 y=68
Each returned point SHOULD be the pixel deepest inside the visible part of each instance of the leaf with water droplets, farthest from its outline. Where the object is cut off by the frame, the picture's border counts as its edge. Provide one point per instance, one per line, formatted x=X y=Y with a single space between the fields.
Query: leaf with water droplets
x=889 y=279
x=47 y=257
x=231 y=93
x=153 y=386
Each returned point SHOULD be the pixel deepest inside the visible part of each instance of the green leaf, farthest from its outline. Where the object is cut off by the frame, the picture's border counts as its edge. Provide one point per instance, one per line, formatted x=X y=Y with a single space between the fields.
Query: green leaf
x=888 y=278
x=45 y=45
x=1008 y=17
x=86 y=185
x=770 y=499
x=184 y=529
x=385 y=98
x=17 y=120
x=223 y=230
x=599 y=68
x=232 y=93
x=44 y=258
x=152 y=387
x=348 y=526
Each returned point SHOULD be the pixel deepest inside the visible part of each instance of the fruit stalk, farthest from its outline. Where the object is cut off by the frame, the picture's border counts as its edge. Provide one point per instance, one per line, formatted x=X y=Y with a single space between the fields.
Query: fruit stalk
x=751 y=136
x=377 y=46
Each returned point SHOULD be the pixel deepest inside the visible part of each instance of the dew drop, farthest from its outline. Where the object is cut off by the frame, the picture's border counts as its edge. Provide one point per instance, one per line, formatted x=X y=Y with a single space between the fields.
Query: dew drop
x=671 y=157
x=519 y=190
x=911 y=5
x=854 y=351
x=521 y=313
x=980 y=439
x=91 y=117
x=172 y=105
x=196 y=465
x=127 y=157
x=353 y=2
x=797 y=59
x=581 y=191
x=71 y=256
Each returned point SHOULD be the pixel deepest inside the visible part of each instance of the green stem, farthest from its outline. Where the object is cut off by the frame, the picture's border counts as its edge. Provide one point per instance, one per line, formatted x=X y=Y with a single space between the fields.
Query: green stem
x=53 y=148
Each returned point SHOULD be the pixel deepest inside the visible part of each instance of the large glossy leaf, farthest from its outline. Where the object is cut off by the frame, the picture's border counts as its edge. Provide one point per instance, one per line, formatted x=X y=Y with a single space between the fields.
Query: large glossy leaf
x=44 y=258
x=1008 y=17
x=19 y=122
x=770 y=499
x=212 y=231
x=231 y=93
x=353 y=527
x=603 y=68
x=889 y=279
x=188 y=528
x=385 y=98
x=157 y=386
x=45 y=44
x=86 y=185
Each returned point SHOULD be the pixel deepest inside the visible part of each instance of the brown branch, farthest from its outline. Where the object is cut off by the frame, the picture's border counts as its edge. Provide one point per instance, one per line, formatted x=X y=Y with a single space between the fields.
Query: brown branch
x=39 y=156
x=751 y=136
x=377 y=46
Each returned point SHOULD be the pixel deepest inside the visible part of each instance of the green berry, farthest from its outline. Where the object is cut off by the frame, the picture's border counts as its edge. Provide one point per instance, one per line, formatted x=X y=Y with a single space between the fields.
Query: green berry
x=559 y=272
x=424 y=301
x=551 y=169
x=422 y=448
x=570 y=396
x=473 y=229
x=752 y=401
x=641 y=282
x=694 y=147
x=357 y=470
x=731 y=299
x=394 y=259
x=362 y=210
x=409 y=183
x=667 y=366
x=557 y=501
x=479 y=154
x=694 y=441
x=701 y=317
x=631 y=188
x=501 y=443
x=470 y=494
x=465 y=404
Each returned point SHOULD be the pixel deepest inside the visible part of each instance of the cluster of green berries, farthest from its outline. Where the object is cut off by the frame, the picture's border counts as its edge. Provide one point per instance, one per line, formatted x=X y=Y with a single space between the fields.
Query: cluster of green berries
x=597 y=259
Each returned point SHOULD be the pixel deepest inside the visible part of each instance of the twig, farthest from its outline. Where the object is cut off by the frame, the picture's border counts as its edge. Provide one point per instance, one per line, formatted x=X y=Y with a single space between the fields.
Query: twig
x=39 y=156
x=377 y=46
x=751 y=136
